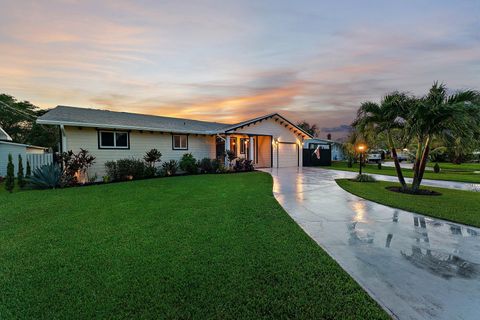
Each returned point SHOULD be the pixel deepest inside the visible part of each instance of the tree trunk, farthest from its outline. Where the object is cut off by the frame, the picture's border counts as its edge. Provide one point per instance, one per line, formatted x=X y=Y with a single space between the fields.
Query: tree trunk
x=416 y=164
x=423 y=164
x=421 y=169
x=398 y=168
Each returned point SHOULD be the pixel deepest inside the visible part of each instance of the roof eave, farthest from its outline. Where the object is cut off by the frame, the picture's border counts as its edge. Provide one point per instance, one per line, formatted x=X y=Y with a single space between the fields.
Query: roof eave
x=122 y=127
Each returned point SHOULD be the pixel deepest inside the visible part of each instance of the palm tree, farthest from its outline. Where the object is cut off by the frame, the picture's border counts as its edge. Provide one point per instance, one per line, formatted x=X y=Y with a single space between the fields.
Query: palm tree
x=438 y=114
x=387 y=118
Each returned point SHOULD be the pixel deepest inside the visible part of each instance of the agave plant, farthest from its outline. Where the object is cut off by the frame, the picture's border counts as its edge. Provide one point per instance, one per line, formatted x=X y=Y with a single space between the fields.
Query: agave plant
x=48 y=176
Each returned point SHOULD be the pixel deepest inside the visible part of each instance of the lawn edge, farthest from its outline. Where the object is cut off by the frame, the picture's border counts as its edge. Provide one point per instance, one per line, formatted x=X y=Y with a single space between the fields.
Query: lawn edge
x=393 y=175
x=414 y=212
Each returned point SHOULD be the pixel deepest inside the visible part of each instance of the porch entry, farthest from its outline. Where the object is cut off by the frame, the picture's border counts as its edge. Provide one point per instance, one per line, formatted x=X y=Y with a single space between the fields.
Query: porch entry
x=251 y=147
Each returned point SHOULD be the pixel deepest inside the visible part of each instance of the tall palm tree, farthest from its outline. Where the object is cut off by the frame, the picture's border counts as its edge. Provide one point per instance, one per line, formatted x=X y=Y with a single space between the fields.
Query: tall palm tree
x=387 y=117
x=437 y=114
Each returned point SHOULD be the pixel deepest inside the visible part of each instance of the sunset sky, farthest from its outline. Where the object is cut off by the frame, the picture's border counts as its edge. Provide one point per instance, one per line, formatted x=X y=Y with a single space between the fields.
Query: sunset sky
x=230 y=60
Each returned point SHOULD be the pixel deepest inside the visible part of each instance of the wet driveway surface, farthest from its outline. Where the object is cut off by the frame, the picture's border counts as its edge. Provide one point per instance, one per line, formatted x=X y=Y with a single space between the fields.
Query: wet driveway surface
x=414 y=266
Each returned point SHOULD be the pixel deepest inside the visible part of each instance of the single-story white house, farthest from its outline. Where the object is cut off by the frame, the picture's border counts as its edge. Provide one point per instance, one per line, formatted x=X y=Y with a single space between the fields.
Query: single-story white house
x=269 y=141
x=28 y=152
x=335 y=147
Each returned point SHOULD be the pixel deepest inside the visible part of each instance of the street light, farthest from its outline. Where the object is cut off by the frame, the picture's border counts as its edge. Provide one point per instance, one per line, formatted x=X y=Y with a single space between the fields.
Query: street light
x=361 y=148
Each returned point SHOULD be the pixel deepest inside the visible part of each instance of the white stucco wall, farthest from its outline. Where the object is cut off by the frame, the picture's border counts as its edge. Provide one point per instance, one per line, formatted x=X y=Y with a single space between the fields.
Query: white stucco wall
x=277 y=131
x=140 y=142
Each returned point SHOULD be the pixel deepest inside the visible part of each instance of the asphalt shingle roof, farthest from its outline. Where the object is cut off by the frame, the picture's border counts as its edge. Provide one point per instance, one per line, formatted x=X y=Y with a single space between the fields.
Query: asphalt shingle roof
x=103 y=118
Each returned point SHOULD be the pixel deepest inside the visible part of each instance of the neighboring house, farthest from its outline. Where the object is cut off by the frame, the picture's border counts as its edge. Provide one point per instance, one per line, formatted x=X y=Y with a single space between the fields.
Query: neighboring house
x=36 y=155
x=269 y=141
x=335 y=147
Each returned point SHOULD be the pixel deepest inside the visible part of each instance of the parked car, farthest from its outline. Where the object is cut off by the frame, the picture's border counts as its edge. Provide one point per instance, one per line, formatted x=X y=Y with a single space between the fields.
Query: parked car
x=376 y=156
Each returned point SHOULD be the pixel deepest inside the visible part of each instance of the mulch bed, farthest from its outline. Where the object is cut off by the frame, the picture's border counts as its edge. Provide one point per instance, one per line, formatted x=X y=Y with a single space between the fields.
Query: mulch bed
x=421 y=192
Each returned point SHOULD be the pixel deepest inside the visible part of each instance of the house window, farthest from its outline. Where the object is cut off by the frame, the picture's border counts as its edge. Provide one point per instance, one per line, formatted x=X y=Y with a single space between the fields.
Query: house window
x=113 y=140
x=243 y=145
x=180 y=142
x=233 y=145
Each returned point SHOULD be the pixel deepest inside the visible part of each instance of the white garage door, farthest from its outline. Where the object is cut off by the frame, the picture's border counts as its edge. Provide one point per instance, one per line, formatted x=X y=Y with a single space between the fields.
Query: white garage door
x=287 y=155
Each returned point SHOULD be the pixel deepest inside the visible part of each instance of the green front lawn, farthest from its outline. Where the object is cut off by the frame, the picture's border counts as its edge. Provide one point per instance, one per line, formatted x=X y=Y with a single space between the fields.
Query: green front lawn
x=210 y=246
x=454 y=205
x=465 y=175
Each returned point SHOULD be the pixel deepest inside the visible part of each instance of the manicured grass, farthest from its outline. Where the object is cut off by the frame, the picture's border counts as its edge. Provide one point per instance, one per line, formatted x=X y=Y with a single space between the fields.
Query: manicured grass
x=454 y=205
x=462 y=176
x=452 y=167
x=210 y=246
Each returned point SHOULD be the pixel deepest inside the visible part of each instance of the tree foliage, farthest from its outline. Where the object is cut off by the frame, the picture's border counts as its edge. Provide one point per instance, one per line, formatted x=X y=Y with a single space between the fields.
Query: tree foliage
x=420 y=121
x=311 y=129
x=20 y=176
x=10 y=178
x=18 y=119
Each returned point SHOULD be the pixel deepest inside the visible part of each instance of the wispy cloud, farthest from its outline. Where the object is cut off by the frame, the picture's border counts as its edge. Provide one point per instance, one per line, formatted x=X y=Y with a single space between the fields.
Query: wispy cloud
x=233 y=60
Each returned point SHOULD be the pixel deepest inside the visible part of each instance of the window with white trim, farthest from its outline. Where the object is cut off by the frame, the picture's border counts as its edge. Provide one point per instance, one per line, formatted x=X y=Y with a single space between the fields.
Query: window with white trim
x=113 y=140
x=180 y=142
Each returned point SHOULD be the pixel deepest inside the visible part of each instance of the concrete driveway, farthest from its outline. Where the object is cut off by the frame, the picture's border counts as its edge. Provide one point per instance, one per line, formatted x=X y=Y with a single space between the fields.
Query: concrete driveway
x=416 y=267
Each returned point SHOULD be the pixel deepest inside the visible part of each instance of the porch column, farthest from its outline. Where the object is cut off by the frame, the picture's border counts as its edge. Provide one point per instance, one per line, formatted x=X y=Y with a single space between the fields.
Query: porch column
x=227 y=148
x=251 y=150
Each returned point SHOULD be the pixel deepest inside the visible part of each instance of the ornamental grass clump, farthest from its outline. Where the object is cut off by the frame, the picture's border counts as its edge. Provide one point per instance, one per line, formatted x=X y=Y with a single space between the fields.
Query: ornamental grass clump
x=364 y=178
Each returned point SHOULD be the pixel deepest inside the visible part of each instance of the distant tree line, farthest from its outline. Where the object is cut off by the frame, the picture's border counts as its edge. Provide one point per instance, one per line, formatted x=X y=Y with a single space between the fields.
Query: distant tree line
x=18 y=119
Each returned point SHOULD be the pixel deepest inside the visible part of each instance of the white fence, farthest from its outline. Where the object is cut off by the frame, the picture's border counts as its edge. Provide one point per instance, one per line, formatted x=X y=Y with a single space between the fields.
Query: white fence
x=39 y=159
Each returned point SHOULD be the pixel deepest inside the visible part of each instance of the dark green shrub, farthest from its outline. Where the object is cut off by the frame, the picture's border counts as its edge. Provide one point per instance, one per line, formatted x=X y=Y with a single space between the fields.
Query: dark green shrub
x=215 y=165
x=150 y=171
x=379 y=165
x=20 y=178
x=189 y=164
x=350 y=162
x=205 y=166
x=129 y=169
x=364 y=178
x=10 y=178
x=28 y=172
x=112 y=170
x=436 y=168
x=151 y=157
x=169 y=168
x=230 y=156
x=243 y=165
x=48 y=176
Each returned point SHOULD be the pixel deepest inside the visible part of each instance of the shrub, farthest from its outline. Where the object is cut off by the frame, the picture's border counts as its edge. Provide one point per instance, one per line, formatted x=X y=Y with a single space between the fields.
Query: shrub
x=222 y=169
x=230 y=156
x=106 y=179
x=215 y=165
x=350 y=162
x=243 y=165
x=112 y=170
x=20 y=177
x=76 y=164
x=129 y=169
x=364 y=178
x=150 y=171
x=10 y=178
x=169 y=168
x=189 y=164
x=379 y=165
x=28 y=172
x=205 y=166
x=436 y=168
x=152 y=156
x=48 y=176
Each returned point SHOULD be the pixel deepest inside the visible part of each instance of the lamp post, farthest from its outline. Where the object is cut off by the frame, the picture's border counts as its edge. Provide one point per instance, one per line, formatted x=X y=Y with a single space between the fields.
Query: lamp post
x=361 y=148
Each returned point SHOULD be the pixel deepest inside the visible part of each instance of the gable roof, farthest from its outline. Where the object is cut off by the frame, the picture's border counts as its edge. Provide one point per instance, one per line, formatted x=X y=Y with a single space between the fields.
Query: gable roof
x=277 y=117
x=84 y=117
